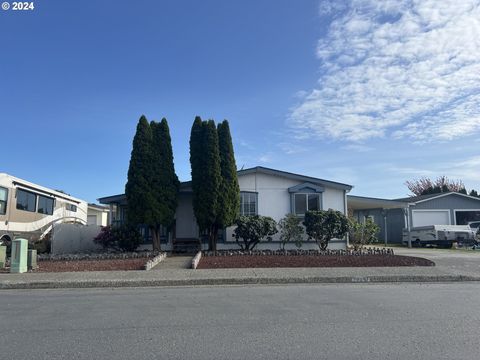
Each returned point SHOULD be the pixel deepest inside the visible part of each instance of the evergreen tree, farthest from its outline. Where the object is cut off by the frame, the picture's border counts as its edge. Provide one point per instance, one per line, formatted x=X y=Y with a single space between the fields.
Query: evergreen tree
x=206 y=176
x=137 y=189
x=229 y=194
x=474 y=193
x=164 y=184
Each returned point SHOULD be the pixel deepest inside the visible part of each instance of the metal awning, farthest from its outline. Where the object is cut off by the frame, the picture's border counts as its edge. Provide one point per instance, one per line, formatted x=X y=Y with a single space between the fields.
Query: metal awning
x=363 y=203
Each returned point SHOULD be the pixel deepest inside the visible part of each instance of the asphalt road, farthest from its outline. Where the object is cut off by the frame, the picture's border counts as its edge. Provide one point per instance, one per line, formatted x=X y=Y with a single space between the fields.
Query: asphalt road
x=399 y=321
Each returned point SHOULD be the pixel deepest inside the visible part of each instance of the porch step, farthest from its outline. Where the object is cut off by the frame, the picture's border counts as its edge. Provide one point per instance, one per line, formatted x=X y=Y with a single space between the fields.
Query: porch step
x=186 y=245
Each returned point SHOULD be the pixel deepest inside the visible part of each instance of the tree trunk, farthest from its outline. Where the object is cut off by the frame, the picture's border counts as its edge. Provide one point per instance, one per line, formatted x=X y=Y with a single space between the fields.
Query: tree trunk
x=155 y=238
x=215 y=237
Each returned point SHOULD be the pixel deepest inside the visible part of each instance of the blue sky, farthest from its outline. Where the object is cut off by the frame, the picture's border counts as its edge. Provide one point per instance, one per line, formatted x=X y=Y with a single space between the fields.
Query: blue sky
x=366 y=93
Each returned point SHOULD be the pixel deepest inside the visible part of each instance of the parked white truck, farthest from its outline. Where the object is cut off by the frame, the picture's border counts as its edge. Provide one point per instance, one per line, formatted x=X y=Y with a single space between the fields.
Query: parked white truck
x=439 y=235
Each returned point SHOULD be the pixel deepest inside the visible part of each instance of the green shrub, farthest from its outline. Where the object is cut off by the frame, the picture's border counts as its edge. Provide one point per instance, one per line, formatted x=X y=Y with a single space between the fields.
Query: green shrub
x=253 y=229
x=122 y=237
x=361 y=234
x=291 y=230
x=325 y=225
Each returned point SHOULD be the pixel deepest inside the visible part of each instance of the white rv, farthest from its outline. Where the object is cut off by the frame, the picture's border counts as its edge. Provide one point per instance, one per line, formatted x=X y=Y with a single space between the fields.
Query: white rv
x=29 y=211
x=440 y=235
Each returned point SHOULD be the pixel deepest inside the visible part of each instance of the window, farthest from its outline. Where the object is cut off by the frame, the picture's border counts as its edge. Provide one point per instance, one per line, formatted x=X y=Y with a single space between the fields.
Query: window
x=248 y=203
x=26 y=200
x=45 y=205
x=306 y=202
x=71 y=207
x=369 y=217
x=3 y=200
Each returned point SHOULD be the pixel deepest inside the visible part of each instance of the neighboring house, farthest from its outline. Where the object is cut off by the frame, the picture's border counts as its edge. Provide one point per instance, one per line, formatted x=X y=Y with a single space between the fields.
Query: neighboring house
x=449 y=208
x=97 y=215
x=29 y=210
x=263 y=191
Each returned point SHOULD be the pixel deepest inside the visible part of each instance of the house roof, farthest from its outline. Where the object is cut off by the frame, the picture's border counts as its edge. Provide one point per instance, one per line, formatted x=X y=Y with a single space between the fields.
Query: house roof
x=361 y=202
x=289 y=175
x=98 y=207
x=185 y=186
x=422 y=198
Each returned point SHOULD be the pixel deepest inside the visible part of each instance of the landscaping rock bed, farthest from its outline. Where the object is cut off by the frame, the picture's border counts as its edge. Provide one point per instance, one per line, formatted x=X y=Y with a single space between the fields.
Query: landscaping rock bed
x=308 y=258
x=98 y=256
x=91 y=265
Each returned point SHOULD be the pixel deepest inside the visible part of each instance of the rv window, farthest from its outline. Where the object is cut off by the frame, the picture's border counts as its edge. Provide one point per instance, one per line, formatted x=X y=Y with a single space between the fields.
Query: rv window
x=45 y=205
x=3 y=200
x=71 y=207
x=26 y=200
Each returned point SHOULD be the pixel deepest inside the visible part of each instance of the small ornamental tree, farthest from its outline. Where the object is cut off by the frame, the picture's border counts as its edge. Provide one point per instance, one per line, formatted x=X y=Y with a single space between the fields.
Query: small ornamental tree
x=291 y=230
x=251 y=230
x=361 y=234
x=325 y=225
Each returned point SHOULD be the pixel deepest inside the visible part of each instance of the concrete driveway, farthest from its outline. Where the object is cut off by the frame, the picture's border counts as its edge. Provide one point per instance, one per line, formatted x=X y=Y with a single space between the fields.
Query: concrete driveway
x=460 y=262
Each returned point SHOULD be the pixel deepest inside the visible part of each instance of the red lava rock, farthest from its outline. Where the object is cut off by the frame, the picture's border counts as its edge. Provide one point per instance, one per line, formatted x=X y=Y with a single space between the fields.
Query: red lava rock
x=271 y=261
x=92 y=265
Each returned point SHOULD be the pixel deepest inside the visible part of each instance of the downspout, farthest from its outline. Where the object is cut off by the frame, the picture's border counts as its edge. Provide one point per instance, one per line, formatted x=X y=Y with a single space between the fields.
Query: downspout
x=346 y=214
x=409 y=221
x=386 y=229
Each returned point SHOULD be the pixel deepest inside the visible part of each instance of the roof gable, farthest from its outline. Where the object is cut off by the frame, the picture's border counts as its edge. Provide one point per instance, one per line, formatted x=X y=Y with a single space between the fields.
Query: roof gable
x=428 y=197
x=306 y=187
x=298 y=177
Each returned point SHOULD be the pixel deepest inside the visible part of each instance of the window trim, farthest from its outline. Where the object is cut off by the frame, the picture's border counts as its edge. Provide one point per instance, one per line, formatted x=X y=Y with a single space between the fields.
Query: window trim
x=5 y=201
x=241 y=204
x=47 y=198
x=28 y=192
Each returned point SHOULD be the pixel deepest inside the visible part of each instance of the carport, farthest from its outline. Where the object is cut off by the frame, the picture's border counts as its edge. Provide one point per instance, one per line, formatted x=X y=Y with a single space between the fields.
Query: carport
x=390 y=215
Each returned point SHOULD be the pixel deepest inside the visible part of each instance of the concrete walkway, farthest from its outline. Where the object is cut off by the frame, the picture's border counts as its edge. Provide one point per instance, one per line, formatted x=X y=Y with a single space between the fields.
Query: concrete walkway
x=175 y=262
x=450 y=266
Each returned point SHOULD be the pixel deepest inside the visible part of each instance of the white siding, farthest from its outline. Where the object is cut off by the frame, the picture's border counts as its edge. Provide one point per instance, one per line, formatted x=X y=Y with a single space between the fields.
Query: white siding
x=334 y=199
x=274 y=200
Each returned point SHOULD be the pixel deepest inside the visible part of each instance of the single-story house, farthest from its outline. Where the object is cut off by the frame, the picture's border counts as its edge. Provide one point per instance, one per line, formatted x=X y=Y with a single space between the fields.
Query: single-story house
x=97 y=215
x=392 y=216
x=263 y=191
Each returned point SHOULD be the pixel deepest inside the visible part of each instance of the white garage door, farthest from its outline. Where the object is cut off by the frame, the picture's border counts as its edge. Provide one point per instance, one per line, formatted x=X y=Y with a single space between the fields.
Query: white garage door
x=91 y=219
x=425 y=218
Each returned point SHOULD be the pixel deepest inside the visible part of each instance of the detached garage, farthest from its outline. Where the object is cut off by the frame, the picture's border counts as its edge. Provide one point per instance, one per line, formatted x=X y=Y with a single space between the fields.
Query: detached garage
x=392 y=216
x=443 y=209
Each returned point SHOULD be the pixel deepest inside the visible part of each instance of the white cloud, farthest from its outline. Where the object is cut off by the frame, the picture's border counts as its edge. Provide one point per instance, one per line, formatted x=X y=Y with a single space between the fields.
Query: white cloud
x=358 y=148
x=407 y=69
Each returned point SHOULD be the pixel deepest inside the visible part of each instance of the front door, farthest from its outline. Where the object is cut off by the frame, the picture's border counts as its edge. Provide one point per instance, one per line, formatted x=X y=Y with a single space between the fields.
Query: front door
x=186 y=224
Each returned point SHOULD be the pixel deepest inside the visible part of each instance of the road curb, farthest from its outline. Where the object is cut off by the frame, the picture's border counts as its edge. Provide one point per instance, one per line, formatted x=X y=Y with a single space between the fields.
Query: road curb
x=232 y=281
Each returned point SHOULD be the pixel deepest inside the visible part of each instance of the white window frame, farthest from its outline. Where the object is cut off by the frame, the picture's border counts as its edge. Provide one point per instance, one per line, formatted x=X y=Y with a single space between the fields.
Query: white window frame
x=250 y=193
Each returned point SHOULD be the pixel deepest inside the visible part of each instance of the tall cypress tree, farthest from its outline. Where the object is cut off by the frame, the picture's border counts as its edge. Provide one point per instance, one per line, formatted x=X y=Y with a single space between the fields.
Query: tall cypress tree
x=206 y=176
x=137 y=189
x=229 y=194
x=197 y=165
x=164 y=184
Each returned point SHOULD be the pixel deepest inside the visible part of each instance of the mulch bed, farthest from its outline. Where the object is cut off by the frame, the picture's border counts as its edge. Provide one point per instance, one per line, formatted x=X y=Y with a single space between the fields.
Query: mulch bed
x=271 y=261
x=91 y=265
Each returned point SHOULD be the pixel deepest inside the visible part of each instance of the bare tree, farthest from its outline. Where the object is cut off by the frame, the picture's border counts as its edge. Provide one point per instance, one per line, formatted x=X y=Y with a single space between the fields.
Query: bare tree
x=441 y=184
